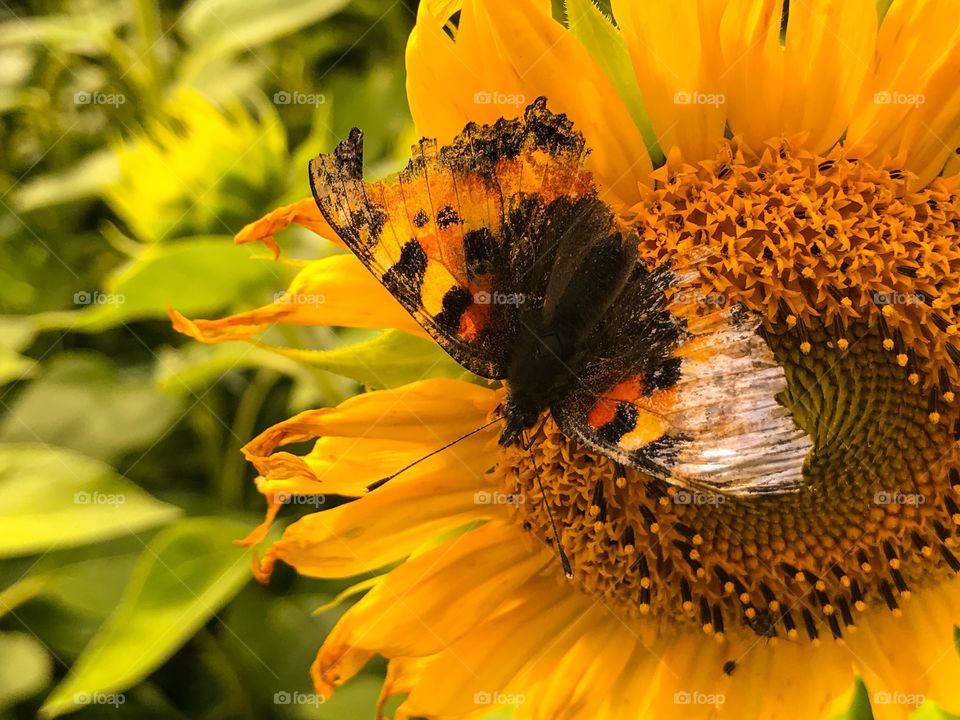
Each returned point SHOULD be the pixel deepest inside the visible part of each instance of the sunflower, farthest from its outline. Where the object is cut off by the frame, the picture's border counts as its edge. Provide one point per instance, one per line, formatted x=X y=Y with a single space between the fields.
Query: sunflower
x=807 y=150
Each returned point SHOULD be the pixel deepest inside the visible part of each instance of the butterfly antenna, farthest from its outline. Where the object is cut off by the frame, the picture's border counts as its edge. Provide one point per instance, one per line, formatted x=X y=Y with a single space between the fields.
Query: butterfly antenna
x=564 y=560
x=384 y=481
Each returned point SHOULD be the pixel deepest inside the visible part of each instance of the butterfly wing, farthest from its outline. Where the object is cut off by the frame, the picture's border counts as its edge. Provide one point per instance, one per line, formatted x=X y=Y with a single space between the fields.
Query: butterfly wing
x=687 y=397
x=451 y=236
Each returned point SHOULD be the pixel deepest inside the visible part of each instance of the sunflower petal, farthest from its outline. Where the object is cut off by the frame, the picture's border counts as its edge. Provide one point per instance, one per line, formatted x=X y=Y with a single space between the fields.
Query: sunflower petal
x=429 y=602
x=470 y=674
x=535 y=45
x=913 y=658
x=304 y=213
x=909 y=107
x=679 y=80
x=334 y=291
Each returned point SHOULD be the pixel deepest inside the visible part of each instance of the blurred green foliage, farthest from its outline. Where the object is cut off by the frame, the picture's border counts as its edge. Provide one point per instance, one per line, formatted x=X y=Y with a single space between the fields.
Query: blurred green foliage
x=137 y=137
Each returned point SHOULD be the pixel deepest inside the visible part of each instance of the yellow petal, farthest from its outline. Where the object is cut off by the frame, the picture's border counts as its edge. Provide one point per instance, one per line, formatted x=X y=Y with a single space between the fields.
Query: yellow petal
x=451 y=82
x=334 y=291
x=540 y=51
x=909 y=109
x=438 y=495
x=827 y=56
x=303 y=212
x=753 y=80
x=675 y=49
x=403 y=675
x=809 y=85
x=907 y=659
x=432 y=600
x=506 y=55
x=473 y=674
x=579 y=683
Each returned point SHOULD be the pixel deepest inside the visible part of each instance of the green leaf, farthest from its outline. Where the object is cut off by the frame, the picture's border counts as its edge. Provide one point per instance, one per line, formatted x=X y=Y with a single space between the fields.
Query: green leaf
x=185 y=575
x=101 y=411
x=197 y=276
x=860 y=705
x=606 y=45
x=25 y=668
x=222 y=26
x=84 y=179
x=53 y=498
x=389 y=359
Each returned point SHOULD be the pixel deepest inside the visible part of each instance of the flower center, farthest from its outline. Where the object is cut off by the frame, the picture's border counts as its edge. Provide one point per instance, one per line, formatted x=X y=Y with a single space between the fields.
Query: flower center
x=852 y=274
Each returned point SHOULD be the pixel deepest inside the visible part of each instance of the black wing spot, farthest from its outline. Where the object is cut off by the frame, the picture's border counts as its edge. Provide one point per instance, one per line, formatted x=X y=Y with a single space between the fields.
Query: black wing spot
x=658 y=455
x=407 y=273
x=480 y=251
x=447 y=216
x=421 y=218
x=729 y=666
x=455 y=303
x=664 y=376
x=624 y=420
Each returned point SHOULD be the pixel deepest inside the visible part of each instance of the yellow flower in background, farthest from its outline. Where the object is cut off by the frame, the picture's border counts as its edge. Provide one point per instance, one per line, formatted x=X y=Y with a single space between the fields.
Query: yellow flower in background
x=201 y=170
x=809 y=157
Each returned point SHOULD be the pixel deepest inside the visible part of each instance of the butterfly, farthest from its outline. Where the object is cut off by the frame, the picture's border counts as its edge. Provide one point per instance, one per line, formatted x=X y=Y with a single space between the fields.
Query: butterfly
x=501 y=247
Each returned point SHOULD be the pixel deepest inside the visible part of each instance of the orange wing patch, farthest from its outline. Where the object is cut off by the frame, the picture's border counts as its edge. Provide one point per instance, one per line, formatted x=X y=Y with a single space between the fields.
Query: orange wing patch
x=626 y=415
x=433 y=233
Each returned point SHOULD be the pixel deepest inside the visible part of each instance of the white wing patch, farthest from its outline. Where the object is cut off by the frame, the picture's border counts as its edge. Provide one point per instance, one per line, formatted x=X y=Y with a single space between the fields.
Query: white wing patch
x=739 y=439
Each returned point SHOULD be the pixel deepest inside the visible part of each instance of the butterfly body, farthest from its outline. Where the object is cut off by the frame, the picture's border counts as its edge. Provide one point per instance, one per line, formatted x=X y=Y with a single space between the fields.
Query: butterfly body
x=501 y=247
